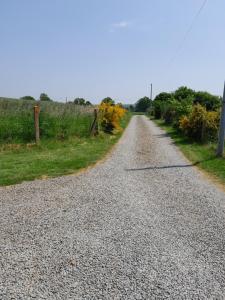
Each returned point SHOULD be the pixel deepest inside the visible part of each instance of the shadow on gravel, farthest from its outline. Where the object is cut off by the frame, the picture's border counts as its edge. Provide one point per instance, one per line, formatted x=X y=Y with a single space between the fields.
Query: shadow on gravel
x=162 y=135
x=163 y=167
x=170 y=167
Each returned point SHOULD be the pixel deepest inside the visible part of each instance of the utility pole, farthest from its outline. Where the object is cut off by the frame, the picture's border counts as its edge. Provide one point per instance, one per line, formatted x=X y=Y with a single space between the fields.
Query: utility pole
x=222 y=128
x=151 y=92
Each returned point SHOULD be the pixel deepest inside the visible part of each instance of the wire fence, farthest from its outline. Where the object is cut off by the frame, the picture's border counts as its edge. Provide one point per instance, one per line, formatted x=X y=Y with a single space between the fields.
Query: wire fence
x=56 y=120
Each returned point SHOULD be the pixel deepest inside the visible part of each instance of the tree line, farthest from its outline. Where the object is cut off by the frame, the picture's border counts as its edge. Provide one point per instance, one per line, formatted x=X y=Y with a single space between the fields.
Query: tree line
x=45 y=97
x=209 y=101
x=77 y=101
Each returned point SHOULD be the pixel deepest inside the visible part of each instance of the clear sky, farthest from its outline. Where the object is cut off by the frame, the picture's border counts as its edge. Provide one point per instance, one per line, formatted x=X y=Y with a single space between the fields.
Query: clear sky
x=116 y=48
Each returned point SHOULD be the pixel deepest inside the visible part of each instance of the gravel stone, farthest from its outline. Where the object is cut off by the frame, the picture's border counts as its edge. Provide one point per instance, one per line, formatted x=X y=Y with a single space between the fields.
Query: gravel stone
x=142 y=224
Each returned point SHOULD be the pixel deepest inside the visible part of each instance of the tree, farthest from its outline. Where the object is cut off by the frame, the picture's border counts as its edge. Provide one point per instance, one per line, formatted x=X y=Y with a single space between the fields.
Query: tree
x=164 y=97
x=29 y=98
x=44 y=97
x=183 y=93
x=108 y=100
x=210 y=102
x=79 y=101
x=159 y=103
x=131 y=108
x=143 y=104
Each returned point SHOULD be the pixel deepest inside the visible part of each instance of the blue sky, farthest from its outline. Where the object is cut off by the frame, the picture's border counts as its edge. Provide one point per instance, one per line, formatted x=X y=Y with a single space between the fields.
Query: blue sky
x=116 y=48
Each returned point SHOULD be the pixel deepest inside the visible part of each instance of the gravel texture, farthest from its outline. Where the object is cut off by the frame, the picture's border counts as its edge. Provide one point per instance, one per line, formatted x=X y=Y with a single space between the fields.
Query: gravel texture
x=143 y=224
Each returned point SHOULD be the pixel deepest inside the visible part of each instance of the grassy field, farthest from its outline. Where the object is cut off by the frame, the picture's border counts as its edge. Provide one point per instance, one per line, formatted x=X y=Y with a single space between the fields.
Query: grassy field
x=23 y=162
x=57 y=120
x=202 y=155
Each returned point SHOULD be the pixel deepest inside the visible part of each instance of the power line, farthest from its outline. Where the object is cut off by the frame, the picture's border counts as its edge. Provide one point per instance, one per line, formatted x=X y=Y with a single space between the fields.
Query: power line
x=188 y=31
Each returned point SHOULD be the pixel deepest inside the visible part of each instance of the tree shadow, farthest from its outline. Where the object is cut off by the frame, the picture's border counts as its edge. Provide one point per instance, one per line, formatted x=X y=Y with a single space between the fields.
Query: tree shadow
x=162 y=135
x=173 y=136
x=170 y=166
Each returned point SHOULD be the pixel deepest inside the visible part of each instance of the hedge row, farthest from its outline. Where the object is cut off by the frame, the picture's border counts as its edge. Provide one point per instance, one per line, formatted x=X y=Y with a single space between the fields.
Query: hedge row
x=195 y=114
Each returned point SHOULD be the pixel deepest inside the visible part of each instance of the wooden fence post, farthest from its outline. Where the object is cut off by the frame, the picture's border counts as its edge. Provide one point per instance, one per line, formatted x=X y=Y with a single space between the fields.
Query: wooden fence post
x=36 y=123
x=94 y=126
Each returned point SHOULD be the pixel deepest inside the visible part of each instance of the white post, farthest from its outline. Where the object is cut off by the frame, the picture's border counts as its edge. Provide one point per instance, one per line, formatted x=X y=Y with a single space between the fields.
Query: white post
x=222 y=128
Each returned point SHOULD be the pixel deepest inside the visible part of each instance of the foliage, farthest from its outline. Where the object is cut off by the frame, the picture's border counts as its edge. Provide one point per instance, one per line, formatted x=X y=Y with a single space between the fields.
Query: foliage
x=160 y=102
x=200 y=124
x=210 y=102
x=108 y=100
x=131 y=108
x=30 y=98
x=173 y=110
x=110 y=116
x=128 y=107
x=44 y=97
x=183 y=93
x=195 y=113
x=162 y=97
x=143 y=104
x=81 y=101
x=120 y=104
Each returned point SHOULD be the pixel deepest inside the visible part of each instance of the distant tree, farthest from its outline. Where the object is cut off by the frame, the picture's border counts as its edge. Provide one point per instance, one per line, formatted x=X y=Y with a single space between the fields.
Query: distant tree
x=210 y=102
x=120 y=104
x=81 y=101
x=30 y=98
x=164 y=97
x=131 y=107
x=143 y=104
x=128 y=107
x=44 y=97
x=108 y=100
x=183 y=93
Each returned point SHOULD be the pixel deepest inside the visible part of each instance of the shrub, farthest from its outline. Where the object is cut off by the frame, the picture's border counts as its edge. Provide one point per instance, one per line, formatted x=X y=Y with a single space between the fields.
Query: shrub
x=110 y=116
x=174 y=110
x=200 y=125
x=160 y=102
x=210 y=102
x=157 y=109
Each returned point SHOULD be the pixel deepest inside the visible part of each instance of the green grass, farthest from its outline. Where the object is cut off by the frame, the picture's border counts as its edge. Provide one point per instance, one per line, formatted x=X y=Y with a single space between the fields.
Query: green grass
x=202 y=155
x=57 y=120
x=53 y=158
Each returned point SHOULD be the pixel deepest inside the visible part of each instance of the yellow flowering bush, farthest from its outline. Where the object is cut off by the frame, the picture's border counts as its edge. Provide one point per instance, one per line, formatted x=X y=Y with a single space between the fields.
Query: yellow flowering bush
x=200 y=124
x=110 y=116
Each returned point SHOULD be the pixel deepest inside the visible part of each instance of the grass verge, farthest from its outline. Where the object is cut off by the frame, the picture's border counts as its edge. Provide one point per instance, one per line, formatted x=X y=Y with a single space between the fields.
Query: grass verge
x=53 y=158
x=202 y=155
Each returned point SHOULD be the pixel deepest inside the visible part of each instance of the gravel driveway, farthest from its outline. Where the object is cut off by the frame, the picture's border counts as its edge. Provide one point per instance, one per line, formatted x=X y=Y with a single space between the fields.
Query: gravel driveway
x=143 y=224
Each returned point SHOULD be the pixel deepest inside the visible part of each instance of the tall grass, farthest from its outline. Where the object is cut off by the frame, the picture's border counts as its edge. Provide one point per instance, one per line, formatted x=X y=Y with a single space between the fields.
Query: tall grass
x=57 y=120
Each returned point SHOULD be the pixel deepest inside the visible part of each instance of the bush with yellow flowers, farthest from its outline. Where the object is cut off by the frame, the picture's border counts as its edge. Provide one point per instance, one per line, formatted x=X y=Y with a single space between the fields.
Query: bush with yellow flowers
x=110 y=116
x=200 y=124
